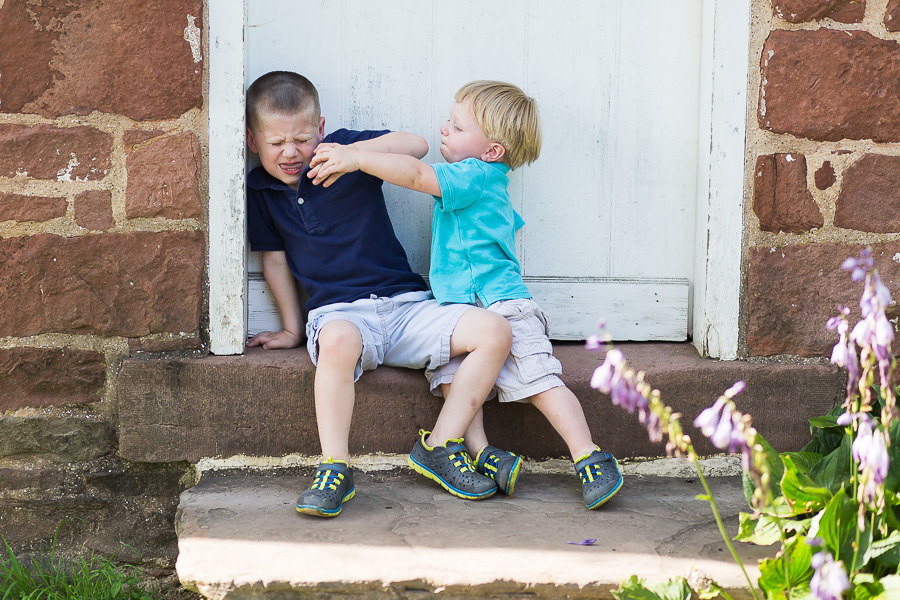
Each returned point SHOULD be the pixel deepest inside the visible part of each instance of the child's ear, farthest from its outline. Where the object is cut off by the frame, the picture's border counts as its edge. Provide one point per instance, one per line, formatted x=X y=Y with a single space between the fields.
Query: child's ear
x=251 y=143
x=494 y=153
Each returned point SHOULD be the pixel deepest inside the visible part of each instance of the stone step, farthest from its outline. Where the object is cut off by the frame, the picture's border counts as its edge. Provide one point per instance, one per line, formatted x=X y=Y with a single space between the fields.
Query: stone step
x=402 y=536
x=261 y=404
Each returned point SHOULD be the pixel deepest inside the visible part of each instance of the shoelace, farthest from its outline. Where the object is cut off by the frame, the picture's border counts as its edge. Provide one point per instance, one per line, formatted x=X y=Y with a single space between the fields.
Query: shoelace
x=589 y=473
x=327 y=479
x=492 y=462
x=462 y=462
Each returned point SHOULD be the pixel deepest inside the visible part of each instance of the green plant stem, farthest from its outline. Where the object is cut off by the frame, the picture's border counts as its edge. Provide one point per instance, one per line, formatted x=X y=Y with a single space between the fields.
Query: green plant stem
x=718 y=517
x=786 y=562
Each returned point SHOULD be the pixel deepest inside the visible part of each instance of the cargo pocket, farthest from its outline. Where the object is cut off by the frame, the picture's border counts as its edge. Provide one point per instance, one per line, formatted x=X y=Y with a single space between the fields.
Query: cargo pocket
x=532 y=356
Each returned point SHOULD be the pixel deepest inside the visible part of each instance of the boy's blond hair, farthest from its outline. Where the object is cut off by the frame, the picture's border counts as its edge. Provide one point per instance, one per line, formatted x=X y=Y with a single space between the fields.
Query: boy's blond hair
x=282 y=93
x=507 y=116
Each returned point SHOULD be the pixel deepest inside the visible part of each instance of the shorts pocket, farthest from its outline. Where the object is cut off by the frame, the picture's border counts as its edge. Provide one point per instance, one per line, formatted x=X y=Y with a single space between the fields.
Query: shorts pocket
x=534 y=358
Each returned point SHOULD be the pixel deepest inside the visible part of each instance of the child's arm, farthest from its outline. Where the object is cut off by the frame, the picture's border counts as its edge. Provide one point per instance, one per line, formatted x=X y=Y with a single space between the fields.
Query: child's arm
x=395 y=142
x=399 y=169
x=284 y=289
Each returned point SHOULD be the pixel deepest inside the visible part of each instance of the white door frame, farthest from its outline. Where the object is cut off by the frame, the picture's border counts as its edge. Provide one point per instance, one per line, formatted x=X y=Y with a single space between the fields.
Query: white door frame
x=720 y=194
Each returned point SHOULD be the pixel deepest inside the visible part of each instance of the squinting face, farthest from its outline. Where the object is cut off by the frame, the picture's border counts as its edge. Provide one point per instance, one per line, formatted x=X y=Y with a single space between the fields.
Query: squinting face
x=285 y=145
x=462 y=136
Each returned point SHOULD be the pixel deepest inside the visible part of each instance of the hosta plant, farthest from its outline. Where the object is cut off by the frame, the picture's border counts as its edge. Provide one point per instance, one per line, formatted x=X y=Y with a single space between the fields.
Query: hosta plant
x=833 y=508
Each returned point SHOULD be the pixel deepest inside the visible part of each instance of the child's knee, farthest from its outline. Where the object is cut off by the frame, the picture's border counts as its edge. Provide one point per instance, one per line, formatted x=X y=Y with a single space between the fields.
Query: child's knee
x=496 y=333
x=339 y=342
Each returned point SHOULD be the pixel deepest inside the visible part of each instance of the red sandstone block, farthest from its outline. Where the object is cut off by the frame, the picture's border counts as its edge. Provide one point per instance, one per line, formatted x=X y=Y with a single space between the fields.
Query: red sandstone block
x=794 y=290
x=164 y=179
x=93 y=210
x=139 y=59
x=128 y=284
x=797 y=11
x=781 y=198
x=20 y=207
x=830 y=85
x=825 y=177
x=59 y=153
x=892 y=15
x=870 y=195
x=38 y=377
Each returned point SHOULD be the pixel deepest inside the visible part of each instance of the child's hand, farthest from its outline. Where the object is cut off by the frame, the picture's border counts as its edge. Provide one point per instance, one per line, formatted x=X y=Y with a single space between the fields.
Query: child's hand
x=330 y=162
x=270 y=340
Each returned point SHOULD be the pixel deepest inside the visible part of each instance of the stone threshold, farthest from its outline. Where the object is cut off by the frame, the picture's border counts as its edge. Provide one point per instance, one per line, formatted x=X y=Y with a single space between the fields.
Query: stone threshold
x=403 y=537
x=261 y=405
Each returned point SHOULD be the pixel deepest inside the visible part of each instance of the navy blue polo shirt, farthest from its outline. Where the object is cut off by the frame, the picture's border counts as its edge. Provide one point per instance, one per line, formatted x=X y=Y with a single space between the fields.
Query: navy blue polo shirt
x=339 y=241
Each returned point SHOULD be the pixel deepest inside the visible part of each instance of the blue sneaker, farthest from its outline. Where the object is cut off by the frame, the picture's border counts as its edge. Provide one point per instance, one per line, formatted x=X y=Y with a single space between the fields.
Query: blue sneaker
x=501 y=466
x=600 y=477
x=451 y=467
x=332 y=486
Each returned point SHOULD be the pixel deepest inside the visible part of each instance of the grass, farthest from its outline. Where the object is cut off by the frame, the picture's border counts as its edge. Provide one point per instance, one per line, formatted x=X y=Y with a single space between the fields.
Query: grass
x=52 y=578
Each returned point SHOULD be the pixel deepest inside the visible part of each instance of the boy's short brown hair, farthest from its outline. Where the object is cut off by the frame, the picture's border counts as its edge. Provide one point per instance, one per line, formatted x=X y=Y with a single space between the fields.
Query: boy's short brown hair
x=507 y=116
x=282 y=93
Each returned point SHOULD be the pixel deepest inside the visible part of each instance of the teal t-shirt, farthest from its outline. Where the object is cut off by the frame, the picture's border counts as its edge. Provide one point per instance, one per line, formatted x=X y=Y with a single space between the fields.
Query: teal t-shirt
x=473 y=253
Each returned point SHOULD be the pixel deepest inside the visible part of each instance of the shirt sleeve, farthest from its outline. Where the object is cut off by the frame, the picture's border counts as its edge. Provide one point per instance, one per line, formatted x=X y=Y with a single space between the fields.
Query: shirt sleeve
x=349 y=136
x=260 y=228
x=462 y=184
x=518 y=221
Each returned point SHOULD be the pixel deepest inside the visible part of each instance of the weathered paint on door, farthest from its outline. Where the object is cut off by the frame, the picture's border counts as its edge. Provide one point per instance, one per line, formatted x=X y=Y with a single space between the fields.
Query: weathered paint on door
x=610 y=205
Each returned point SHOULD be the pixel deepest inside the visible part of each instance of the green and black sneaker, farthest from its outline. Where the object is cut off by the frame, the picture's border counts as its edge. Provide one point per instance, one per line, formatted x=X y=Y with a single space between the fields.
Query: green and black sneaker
x=450 y=466
x=600 y=477
x=332 y=486
x=501 y=466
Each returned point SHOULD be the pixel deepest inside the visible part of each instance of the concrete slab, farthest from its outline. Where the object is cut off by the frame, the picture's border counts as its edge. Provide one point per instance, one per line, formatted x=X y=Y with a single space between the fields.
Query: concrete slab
x=261 y=404
x=404 y=537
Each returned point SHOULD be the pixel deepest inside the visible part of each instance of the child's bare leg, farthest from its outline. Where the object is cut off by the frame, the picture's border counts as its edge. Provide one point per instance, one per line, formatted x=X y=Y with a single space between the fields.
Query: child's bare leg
x=340 y=346
x=486 y=337
x=476 y=438
x=565 y=414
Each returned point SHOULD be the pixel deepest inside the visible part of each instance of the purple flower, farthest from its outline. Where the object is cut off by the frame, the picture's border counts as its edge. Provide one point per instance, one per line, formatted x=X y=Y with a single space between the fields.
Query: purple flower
x=870 y=451
x=736 y=389
x=611 y=368
x=829 y=581
x=594 y=342
x=708 y=420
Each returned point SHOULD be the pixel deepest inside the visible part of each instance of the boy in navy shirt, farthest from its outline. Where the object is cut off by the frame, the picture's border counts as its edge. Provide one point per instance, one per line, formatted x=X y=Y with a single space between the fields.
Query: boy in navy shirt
x=366 y=305
x=493 y=127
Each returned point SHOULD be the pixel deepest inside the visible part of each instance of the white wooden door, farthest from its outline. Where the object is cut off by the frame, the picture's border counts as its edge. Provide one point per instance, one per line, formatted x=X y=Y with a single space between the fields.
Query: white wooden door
x=610 y=205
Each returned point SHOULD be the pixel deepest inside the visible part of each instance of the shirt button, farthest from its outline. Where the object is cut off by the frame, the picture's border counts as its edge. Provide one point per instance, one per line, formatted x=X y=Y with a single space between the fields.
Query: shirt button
x=300 y=200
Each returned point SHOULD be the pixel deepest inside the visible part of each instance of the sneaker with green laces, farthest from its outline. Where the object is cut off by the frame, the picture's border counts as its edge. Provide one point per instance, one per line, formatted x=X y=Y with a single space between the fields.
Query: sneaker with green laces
x=332 y=486
x=600 y=477
x=451 y=467
x=501 y=466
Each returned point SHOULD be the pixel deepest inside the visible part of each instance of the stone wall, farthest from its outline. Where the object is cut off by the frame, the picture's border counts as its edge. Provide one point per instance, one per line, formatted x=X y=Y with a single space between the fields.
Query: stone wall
x=103 y=252
x=823 y=164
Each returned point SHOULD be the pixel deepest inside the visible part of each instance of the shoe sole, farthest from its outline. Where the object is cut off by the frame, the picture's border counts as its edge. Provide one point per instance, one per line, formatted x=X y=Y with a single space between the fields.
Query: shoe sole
x=601 y=501
x=318 y=511
x=423 y=470
x=513 y=477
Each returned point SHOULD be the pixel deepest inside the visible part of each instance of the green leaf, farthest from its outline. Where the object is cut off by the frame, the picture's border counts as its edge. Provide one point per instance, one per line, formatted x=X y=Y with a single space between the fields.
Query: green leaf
x=787 y=571
x=827 y=423
x=891 y=588
x=886 y=551
x=838 y=528
x=635 y=589
x=800 y=491
x=762 y=530
x=803 y=460
x=833 y=471
x=892 y=482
